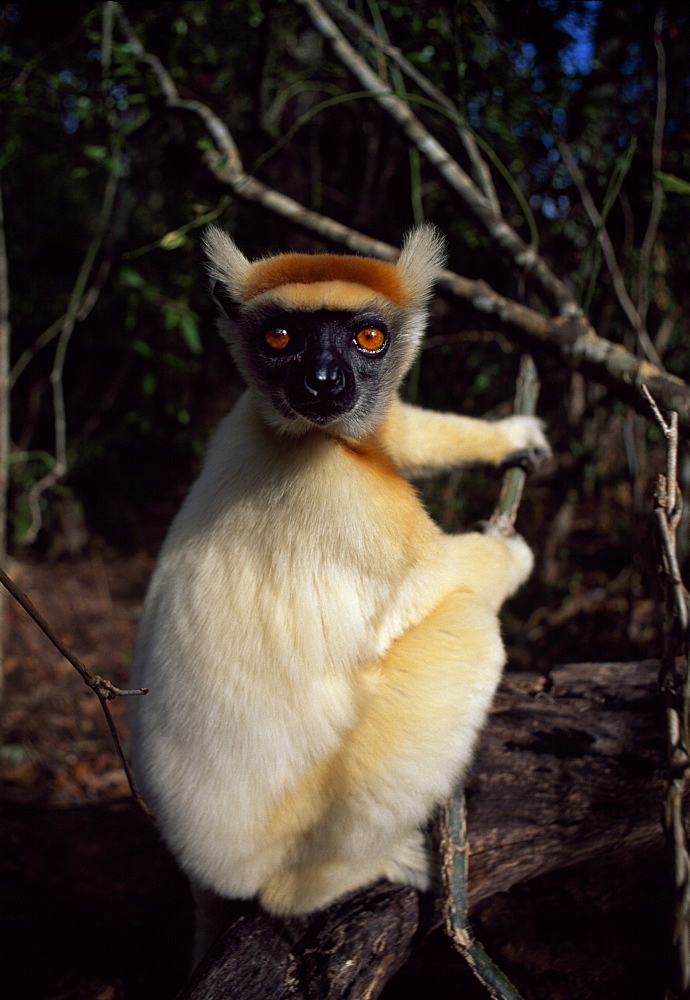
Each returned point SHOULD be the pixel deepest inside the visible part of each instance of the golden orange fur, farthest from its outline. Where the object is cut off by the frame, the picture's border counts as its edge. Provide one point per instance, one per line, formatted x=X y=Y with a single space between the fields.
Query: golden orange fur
x=320 y=655
x=308 y=269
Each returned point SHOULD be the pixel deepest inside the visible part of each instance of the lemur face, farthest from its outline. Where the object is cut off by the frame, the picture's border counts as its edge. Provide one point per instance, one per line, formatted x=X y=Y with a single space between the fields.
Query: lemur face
x=323 y=365
x=324 y=340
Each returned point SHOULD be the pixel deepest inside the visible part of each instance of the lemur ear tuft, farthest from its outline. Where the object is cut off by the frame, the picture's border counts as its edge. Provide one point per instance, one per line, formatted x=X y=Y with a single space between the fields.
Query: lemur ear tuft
x=226 y=264
x=422 y=258
x=236 y=278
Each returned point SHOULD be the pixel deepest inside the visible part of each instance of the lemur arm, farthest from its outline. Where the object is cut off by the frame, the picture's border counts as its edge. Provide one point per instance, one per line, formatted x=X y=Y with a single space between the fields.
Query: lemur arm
x=422 y=442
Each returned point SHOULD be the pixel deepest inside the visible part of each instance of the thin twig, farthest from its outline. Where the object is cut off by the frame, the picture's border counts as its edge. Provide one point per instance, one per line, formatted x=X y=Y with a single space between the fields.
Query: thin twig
x=525 y=257
x=675 y=685
x=624 y=300
x=104 y=689
x=573 y=337
x=77 y=299
x=454 y=855
x=657 y=189
x=526 y=396
x=75 y=305
x=216 y=128
x=479 y=164
x=50 y=333
x=454 y=846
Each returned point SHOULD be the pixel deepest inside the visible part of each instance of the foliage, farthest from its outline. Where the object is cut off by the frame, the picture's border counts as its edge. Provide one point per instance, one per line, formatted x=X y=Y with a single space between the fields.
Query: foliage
x=145 y=374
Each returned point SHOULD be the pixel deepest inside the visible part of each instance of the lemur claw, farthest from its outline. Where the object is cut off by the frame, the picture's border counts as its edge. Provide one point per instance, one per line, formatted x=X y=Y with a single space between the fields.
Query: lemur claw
x=527 y=459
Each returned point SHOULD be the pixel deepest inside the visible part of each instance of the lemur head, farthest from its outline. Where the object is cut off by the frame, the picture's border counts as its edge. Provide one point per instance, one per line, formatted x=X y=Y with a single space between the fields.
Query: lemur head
x=324 y=340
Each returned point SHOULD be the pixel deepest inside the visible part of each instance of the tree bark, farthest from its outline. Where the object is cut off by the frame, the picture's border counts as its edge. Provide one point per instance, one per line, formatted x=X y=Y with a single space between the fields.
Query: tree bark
x=567 y=768
x=349 y=950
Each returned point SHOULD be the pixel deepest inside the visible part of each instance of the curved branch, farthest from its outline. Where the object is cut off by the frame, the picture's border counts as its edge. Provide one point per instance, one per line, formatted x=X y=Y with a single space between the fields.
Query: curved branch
x=579 y=346
x=626 y=303
x=216 y=128
x=657 y=189
x=87 y=303
x=479 y=165
x=454 y=848
x=572 y=338
x=524 y=256
x=104 y=689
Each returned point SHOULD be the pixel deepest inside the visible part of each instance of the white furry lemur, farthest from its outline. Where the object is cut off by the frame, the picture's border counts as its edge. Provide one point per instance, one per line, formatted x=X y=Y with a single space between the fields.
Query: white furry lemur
x=320 y=655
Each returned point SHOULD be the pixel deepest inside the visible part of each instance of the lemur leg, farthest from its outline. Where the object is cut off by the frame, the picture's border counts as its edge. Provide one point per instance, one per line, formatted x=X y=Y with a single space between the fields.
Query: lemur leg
x=422 y=706
x=490 y=565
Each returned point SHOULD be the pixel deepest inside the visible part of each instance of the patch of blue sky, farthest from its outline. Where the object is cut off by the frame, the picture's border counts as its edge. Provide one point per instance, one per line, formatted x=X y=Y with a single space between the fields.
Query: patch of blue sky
x=577 y=57
x=551 y=208
x=559 y=120
x=524 y=58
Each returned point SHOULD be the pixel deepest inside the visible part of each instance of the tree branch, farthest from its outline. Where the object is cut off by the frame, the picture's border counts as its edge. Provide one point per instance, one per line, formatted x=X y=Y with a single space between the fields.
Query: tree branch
x=104 y=689
x=465 y=134
x=452 y=821
x=674 y=679
x=573 y=338
x=657 y=189
x=579 y=346
x=50 y=333
x=78 y=299
x=524 y=256
x=614 y=270
x=526 y=396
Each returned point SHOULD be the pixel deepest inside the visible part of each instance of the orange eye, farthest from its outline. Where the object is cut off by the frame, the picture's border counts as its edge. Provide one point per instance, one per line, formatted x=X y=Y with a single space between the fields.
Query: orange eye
x=277 y=339
x=370 y=339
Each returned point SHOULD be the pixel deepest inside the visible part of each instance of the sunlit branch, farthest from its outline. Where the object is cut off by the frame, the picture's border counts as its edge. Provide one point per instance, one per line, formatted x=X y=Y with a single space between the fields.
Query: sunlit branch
x=479 y=164
x=657 y=189
x=104 y=689
x=524 y=257
x=674 y=679
x=572 y=338
x=625 y=302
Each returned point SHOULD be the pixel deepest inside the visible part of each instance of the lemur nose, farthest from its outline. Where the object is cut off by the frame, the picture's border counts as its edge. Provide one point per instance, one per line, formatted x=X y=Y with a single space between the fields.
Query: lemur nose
x=324 y=381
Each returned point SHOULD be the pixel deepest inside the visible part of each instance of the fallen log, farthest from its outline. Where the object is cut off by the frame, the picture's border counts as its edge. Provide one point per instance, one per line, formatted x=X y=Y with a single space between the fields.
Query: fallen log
x=350 y=950
x=568 y=768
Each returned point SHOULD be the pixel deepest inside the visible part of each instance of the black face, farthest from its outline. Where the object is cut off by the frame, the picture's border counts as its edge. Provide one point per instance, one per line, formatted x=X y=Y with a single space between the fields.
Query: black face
x=318 y=365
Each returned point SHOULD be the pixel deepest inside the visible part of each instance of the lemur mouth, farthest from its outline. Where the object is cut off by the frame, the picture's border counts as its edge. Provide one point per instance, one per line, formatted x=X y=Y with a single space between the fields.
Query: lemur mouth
x=321 y=402
x=321 y=412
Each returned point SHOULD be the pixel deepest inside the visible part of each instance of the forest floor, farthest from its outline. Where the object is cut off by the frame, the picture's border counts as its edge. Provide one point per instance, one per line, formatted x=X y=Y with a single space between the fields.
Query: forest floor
x=90 y=901
x=91 y=906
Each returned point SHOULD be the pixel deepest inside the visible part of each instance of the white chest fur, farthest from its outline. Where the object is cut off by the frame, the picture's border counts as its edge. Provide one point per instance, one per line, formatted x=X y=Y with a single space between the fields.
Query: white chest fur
x=273 y=589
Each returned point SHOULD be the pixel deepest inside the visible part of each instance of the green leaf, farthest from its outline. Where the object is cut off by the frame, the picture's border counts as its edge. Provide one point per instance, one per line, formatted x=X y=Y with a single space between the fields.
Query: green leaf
x=14 y=753
x=672 y=184
x=173 y=240
x=142 y=348
x=97 y=153
x=189 y=328
x=131 y=278
x=149 y=384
